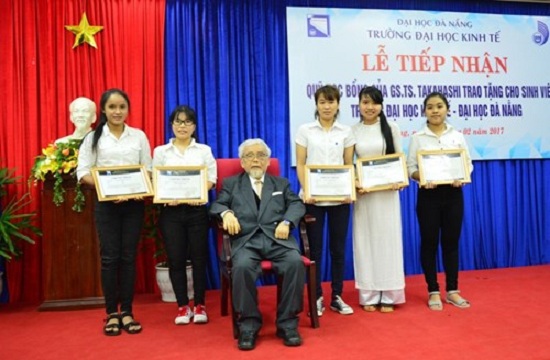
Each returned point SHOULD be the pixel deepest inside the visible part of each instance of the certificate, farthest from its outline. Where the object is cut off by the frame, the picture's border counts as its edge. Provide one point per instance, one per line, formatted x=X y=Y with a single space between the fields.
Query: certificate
x=121 y=182
x=329 y=182
x=443 y=166
x=183 y=184
x=382 y=172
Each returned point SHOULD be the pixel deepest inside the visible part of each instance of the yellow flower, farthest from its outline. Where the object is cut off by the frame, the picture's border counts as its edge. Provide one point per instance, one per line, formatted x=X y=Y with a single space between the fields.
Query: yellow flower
x=67 y=166
x=49 y=151
x=58 y=159
x=48 y=166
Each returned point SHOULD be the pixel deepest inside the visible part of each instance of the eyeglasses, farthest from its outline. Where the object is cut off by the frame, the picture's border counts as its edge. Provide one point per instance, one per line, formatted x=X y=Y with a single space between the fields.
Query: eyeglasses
x=252 y=156
x=185 y=122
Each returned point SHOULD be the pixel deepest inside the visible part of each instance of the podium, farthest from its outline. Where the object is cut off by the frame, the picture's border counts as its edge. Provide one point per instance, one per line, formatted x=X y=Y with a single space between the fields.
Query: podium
x=70 y=251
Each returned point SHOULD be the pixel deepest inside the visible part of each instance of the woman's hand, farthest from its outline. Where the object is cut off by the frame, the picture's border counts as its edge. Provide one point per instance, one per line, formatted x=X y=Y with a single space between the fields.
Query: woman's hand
x=430 y=185
x=457 y=184
x=196 y=203
x=347 y=200
x=396 y=186
x=359 y=189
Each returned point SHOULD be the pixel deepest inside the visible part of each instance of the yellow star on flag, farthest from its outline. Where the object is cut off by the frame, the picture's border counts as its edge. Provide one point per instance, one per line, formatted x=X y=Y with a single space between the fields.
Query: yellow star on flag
x=84 y=32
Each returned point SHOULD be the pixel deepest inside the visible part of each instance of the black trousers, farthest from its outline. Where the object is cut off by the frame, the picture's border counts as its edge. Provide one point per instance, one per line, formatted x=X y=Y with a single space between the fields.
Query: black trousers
x=440 y=212
x=338 y=223
x=185 y=232
x=119 y=230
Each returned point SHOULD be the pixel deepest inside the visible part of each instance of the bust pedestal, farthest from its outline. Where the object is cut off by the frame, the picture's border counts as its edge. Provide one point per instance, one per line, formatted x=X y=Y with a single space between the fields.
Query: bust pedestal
x=70 y=251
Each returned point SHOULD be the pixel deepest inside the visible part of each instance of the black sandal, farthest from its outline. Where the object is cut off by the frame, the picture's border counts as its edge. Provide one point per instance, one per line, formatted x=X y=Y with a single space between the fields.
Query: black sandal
x=130 y=327
x=112 y=328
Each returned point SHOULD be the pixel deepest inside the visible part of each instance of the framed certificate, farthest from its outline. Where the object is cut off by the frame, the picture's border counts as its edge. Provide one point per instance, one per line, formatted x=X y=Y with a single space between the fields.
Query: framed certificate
x=329 y=182
x=443 y=166
x=121 y=182
x=183 y=184
x=382 y=172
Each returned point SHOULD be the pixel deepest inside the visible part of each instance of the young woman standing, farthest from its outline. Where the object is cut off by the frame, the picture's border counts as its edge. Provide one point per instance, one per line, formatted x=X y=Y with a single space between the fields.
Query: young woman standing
x=184 y=227
x=118 y=223
x=439 y=208
x=377 y=231
x=325 y=141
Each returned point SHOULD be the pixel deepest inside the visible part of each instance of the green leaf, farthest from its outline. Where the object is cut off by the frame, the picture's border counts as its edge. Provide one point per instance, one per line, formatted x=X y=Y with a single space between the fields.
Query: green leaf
x=14 y=225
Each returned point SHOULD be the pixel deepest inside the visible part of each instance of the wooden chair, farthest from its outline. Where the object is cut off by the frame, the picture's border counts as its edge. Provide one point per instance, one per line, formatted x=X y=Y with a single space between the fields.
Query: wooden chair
x=230 y=167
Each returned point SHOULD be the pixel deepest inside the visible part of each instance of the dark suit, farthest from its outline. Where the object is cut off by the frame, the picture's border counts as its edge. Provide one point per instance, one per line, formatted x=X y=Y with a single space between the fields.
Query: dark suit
x=256 y=241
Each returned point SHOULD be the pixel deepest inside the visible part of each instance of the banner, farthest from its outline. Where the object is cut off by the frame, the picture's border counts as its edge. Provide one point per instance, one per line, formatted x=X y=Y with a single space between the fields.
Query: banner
x=492 y=68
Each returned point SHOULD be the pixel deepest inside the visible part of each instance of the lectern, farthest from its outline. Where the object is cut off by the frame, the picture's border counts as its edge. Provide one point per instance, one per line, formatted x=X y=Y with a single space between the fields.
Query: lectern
x=70 y=251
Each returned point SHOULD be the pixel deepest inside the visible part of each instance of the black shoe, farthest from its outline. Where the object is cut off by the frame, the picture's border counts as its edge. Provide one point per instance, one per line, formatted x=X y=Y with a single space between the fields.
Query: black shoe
x=247 y=340
x=290 y=337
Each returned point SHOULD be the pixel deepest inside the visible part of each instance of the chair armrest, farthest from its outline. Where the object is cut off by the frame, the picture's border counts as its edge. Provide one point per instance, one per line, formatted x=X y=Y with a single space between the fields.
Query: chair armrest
x=307 y=219
x=227 y=248
x=224 y=242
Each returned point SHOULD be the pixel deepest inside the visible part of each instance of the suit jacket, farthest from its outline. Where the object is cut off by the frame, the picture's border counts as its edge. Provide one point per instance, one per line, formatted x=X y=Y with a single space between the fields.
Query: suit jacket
x=278 y=203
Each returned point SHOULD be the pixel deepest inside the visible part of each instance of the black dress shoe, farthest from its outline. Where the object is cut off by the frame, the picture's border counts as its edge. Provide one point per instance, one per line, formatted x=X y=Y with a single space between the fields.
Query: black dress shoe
x=247 y=340
x=290 y=337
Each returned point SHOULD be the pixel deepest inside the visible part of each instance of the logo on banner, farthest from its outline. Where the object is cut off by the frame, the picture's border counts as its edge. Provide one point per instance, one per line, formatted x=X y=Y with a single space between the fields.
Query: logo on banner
x=318 y=26
x=541 y=36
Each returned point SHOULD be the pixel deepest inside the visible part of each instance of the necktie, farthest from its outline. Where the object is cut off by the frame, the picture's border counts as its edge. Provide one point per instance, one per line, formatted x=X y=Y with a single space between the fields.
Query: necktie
x=258 y=188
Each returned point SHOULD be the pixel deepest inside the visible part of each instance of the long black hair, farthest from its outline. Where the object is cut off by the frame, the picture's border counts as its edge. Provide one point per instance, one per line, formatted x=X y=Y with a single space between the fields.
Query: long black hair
x=378 y=98
x=102 y=117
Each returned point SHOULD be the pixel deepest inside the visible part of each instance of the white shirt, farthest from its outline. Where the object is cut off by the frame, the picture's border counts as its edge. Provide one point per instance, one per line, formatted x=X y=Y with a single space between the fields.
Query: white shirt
x=425 y=139
x=195 y=155
x=132 y=148
x=253 y=183
x=325 y=147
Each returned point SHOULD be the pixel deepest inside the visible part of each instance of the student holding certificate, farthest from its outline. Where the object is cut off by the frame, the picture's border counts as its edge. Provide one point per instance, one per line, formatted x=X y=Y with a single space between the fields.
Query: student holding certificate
x=377 y=233
x=184 y=227
x=326 y=141
x=439 y=208
x=119 y=222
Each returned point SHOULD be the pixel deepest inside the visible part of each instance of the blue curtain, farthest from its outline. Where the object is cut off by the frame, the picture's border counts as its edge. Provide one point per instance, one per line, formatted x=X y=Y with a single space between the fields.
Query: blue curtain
x=228 y=60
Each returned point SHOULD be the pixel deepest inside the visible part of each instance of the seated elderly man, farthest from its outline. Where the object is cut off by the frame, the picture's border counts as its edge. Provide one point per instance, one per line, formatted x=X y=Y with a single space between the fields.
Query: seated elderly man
x=83 y=115
x=258 y=211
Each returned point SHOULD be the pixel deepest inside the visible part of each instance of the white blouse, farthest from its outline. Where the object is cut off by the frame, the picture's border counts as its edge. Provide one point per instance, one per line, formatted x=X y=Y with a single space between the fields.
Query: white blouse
x=195 y=155
x=132 y=148
x=325 y=147
x=425 y=139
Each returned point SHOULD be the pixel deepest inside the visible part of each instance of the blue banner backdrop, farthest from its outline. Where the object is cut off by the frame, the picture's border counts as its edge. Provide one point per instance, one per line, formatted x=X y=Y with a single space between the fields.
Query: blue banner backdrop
x=228 y=60
x=489 y=67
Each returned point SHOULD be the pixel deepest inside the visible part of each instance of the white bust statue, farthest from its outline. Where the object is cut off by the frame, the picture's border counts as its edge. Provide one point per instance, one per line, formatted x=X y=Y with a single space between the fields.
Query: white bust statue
x=83 y=115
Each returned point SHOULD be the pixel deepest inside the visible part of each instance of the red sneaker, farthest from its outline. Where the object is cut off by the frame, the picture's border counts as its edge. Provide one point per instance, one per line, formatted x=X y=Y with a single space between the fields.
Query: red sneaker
x=184 y=315
x=200 y=314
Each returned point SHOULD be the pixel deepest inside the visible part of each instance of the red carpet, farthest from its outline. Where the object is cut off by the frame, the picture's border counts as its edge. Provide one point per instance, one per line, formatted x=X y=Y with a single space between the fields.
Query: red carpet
x=508 y=320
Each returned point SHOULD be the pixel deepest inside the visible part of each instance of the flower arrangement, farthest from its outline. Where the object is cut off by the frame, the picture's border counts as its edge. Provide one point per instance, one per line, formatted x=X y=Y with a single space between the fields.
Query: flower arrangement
x=58 y=159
